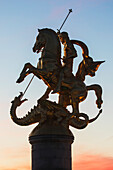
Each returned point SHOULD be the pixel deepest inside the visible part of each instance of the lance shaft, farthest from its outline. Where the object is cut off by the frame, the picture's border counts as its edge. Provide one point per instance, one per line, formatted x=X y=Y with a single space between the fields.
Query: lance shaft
x=70 y=10
x=28 y=85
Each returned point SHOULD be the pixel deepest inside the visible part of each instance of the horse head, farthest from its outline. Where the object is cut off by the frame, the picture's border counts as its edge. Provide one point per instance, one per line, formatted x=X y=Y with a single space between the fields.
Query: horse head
x=40 y=42
x=48 y=39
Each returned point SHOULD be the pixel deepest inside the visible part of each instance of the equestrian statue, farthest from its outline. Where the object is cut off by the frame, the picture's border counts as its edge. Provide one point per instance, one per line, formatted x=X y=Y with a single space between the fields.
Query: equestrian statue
x=57 y=73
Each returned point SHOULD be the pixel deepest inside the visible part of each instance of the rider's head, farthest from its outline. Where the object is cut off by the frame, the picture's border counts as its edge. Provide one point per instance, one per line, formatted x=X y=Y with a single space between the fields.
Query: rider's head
x=63 y=36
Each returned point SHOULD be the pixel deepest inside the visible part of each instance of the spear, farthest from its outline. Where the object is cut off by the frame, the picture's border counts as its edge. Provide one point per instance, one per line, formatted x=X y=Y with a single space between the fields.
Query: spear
x=70 y=10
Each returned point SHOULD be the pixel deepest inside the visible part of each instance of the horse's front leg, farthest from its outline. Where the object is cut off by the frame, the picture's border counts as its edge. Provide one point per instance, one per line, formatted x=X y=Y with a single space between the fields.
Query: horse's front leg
x=98 y=91
x=24 y=72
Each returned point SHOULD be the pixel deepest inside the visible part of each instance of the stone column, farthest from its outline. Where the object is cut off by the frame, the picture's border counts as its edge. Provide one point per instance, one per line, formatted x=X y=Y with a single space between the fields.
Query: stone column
x=51 y=148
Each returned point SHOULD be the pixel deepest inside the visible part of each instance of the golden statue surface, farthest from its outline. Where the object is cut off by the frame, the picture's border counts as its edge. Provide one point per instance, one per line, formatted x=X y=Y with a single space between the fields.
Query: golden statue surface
x=56 y=73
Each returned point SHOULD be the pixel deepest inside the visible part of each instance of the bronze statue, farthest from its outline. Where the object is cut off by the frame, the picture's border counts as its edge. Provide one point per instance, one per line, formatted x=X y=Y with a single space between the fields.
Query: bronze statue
x=59 y=78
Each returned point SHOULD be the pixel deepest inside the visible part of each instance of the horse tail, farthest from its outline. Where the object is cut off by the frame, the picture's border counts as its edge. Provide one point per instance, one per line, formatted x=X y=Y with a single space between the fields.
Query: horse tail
x=85 y=51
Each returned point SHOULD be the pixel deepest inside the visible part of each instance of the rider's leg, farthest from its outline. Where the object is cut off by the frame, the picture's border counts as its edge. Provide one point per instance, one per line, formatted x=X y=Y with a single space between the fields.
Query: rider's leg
x=57 y=89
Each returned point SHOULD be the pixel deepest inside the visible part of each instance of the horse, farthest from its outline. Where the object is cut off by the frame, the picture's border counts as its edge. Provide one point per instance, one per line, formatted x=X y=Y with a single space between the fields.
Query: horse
x=73 y=89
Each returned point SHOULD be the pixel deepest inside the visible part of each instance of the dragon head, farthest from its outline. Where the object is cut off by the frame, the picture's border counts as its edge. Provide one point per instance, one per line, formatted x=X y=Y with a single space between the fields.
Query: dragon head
x=17 y=100
x=91 y=66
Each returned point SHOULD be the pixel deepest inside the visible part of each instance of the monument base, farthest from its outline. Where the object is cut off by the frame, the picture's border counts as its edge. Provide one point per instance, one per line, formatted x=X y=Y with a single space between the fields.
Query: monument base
x=51 y=151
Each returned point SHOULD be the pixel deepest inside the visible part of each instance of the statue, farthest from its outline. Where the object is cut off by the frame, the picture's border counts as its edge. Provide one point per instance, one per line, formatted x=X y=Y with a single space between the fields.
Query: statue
x=59 y=78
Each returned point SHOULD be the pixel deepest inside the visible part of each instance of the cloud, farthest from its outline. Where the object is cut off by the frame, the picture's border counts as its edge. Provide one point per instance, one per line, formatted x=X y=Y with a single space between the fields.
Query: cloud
x=93 y=162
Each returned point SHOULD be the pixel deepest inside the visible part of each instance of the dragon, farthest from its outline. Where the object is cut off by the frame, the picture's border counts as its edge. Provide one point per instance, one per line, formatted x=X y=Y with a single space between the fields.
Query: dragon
x=46 y=109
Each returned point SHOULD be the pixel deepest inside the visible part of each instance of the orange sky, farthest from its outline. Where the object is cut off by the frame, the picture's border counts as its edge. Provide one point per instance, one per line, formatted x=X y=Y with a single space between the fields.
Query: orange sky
x=83 y=162
x=93 y=162
x=91 y=22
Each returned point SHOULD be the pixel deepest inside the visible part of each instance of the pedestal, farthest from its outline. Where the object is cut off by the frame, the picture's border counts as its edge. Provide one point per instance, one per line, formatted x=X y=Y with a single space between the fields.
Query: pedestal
x=51 y=148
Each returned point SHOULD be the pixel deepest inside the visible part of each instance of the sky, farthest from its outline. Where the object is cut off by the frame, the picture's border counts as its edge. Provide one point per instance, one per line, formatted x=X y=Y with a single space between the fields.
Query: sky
x=91 y=22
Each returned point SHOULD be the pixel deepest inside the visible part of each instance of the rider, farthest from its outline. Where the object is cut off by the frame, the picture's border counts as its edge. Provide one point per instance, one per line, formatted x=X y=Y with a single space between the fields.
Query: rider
x=69 y=54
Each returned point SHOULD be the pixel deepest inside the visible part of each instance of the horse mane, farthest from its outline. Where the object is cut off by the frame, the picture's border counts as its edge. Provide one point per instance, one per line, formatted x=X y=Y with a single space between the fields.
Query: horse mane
x=48 y=30
x=52 y=31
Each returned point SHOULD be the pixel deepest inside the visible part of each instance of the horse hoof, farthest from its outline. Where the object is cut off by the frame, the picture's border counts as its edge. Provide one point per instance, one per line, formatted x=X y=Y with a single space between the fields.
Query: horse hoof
x=99 y=106
x=19 y=80
x=99 y=103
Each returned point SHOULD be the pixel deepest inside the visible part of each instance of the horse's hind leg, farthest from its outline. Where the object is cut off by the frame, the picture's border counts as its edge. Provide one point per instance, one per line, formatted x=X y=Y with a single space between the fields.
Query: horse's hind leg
x=98 y=91
x=75 y=106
